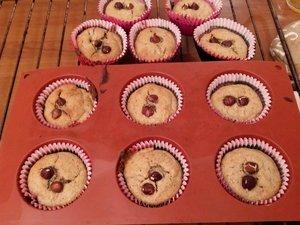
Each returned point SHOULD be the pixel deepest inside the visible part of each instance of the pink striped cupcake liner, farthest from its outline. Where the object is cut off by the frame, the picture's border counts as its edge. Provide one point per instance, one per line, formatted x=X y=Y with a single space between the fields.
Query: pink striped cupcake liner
x=267 y=149
x=53 y=147
x=126 y=25
x=156 y=144
x=187 y=24
x=102 y=24
x=232 y=78
x=136 y=28
x=230 y=25
x=155 y=79
x=40 y=100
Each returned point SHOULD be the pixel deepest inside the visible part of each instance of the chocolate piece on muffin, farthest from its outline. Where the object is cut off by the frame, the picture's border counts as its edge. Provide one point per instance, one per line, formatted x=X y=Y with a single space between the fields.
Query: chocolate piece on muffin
x=152 y=104
x=68 y=104
x=126 y=10
x=225 y=43
x=99 y=44
x=199 y=9
x=153 y=176
x=155 y=43
x=251 y=174
x=238 y=102
x=57 y=179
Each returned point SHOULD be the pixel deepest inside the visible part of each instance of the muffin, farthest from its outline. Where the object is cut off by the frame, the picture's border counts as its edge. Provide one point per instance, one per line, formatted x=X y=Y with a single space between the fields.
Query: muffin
x=126 y=10
x=153 y=176
x=68 y=104
x=224 y=42
x=152 y=104
x=199 y=9
x=57 y=179
x=251 y=174
x=99 y=44
x=237 y=101
x=155 y=43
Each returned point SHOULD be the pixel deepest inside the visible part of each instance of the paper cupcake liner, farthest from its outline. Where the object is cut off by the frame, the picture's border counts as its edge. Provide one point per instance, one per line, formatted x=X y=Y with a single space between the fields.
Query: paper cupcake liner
x=103 y=24
x=156 y=144
x=139 y=82
x=44 y=94
x=231 y=25
x=125 y=24
x=264 y=147
x=38 y=154
x=257 y=85
x=136 y=28
x=187 y=24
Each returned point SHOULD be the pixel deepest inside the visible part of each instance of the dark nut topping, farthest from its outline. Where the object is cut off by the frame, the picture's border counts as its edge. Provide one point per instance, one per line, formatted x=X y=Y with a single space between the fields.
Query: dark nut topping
x=249 y=182
x=57 y=186
x=98 y=44
x=131 y=6
x=155 y=176
x=227 y=43
x=229 y=100
x=152 y=98
x=106 y=49
x=47 y=173
x=60 y=101
x=148 y=189
x=155 y=38
x=242 y=101
x=194 y=6
x=56 y=113
x=148 y=110
x=250 y=167
x=119 y=5
x=213 y=39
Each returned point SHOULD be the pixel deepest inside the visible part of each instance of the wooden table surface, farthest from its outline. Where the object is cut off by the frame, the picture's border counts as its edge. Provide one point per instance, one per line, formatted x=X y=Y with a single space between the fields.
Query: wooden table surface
x=36 y=34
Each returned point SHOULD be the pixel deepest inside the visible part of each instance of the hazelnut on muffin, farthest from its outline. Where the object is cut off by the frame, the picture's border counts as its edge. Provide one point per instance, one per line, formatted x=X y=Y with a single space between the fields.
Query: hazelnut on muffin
x=57 y=179
x=153 y=176
x=99 y=44
x=152 y=104
x=237 y=101
x=251 y=174
x=68 y=104
x=126 y=10
x=199 y=9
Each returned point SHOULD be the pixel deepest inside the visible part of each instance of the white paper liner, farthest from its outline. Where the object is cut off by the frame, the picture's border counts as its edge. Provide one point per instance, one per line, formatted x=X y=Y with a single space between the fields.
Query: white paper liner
x=264 y=147
x=187 y=24
x=231 y=25
x=44 y=94
x=136 y=28
x=157 y=145
x=245 y=79
x=123 y=23
x=103 y=24
x=38 y=154
x=155 y=79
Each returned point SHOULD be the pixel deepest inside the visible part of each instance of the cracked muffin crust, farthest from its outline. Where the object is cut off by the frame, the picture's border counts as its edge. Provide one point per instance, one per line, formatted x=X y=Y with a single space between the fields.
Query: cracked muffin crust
x=155 y=43
x=127 y=10
x=238 y=102
x=68 y=104
x=251 y=174
x=224 y=42
x=99 y=44
x=57 y=179
x=152 y=104
x=199 y=9
x=153 y=176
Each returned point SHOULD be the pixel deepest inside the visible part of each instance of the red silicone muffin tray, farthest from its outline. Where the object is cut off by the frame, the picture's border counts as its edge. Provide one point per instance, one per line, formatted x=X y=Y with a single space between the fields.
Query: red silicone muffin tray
x=198 y=130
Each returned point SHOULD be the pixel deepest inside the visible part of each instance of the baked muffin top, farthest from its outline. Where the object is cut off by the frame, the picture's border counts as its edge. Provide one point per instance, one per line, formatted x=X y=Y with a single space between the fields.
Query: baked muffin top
x=153 y=176
x=57 y=179
x=99 y=44
x=199 y=9
x=251 y=174
x=224 y=42
x=155 y=43
x=127 y=10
